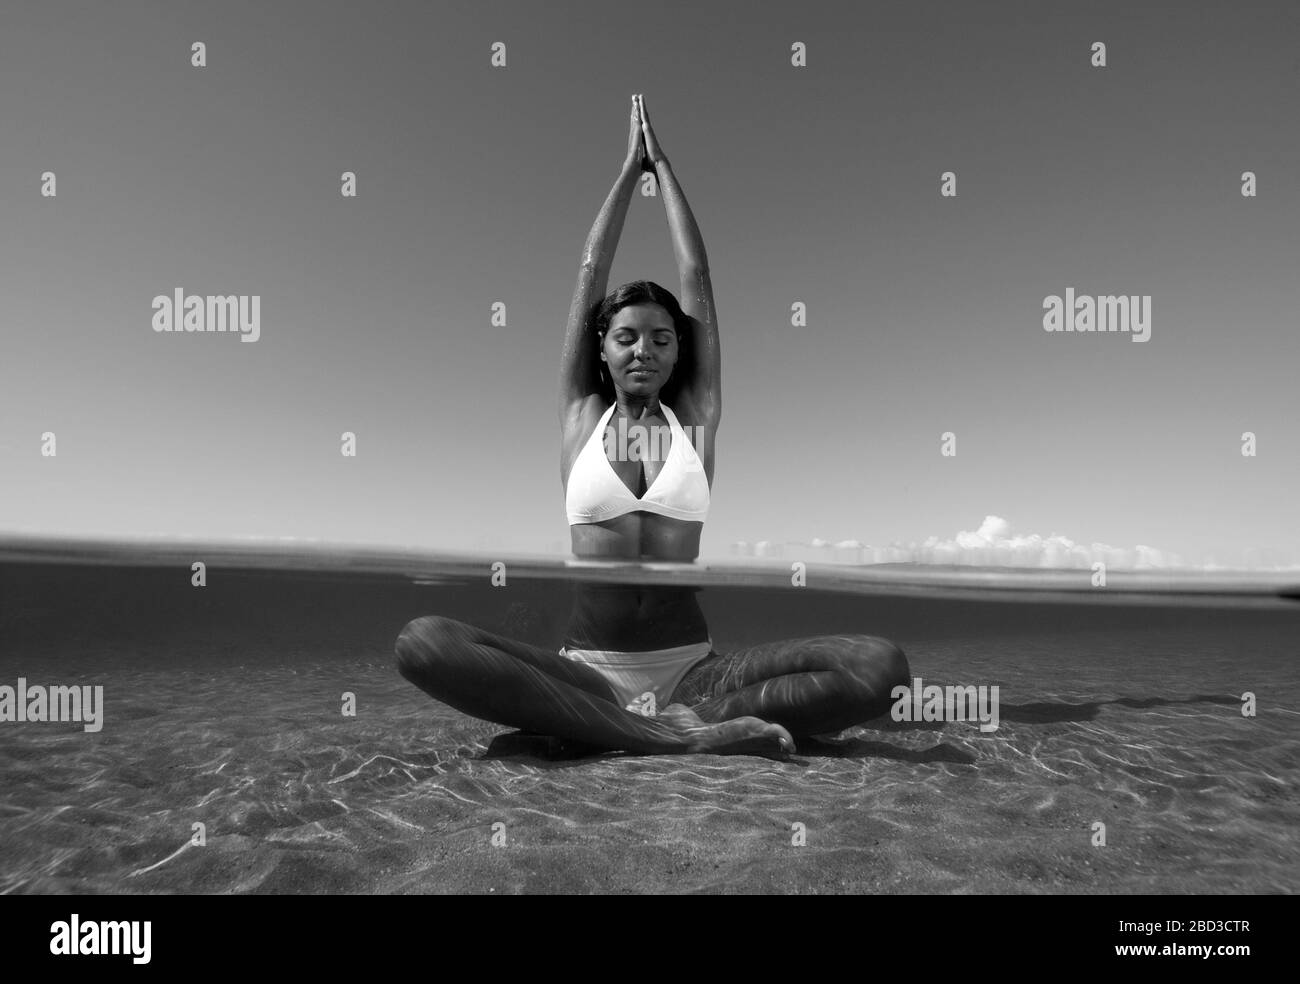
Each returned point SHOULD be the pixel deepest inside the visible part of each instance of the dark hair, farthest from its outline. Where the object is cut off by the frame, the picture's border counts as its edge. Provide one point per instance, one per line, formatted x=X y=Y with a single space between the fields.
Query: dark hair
x=646 y=292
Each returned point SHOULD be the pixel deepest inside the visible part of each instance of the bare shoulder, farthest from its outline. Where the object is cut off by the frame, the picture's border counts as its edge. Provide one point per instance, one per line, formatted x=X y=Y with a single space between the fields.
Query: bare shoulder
x=696 y=410
x=578 y=419
x=701 y=426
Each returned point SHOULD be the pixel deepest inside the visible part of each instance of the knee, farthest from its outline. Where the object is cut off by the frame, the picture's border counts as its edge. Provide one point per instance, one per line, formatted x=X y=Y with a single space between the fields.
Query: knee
x=422 y=641
x=877 y=663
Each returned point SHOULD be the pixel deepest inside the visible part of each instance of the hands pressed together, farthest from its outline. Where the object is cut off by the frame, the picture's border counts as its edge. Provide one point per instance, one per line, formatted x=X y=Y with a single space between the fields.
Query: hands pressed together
x=643 y=148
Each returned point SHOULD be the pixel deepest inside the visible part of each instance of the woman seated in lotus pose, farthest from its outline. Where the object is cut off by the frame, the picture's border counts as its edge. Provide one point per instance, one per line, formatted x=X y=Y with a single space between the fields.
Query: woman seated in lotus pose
x=638 y=672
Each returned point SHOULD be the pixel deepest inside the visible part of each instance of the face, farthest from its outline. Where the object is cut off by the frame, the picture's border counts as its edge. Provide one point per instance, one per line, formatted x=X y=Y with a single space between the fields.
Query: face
x=640 y=337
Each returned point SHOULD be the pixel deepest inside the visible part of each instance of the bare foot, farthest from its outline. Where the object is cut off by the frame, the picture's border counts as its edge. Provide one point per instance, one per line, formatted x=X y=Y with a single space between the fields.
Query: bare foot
x=739 y=736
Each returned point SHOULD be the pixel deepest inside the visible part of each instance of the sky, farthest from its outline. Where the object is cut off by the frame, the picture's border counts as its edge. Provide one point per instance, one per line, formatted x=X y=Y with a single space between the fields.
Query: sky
x=820 y=185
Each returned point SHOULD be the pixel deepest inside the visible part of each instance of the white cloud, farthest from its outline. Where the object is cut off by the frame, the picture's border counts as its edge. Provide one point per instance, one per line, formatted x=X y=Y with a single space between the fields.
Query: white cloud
x=993 y=544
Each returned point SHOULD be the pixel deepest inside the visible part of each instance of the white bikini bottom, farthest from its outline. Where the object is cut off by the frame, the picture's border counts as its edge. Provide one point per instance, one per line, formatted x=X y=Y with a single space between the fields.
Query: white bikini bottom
x=642 y=681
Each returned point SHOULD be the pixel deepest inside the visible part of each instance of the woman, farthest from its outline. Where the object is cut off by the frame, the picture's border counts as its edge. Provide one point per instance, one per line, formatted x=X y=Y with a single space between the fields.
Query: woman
x=638 y=671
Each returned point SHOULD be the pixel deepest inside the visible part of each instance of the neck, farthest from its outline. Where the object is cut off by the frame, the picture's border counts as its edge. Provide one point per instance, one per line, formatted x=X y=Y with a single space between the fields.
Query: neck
x=636 y=407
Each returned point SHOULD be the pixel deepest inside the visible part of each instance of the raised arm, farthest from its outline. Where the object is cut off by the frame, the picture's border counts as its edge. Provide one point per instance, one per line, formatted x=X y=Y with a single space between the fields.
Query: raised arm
x=579 y=367
x=705 y=390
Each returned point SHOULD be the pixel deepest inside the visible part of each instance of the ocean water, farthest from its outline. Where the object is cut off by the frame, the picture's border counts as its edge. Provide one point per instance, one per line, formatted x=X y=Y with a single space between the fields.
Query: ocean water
x=223 y=707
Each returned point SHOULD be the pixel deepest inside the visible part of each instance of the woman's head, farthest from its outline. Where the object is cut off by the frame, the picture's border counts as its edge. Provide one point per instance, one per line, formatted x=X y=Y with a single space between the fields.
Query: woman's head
x=640 y=326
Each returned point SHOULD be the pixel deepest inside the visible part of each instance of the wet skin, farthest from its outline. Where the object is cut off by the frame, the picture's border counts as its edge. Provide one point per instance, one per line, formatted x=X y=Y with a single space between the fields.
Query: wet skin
x=753 y=700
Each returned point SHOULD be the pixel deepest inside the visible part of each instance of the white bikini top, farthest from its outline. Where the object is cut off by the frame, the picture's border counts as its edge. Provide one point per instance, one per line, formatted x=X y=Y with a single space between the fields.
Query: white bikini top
x=596 y=493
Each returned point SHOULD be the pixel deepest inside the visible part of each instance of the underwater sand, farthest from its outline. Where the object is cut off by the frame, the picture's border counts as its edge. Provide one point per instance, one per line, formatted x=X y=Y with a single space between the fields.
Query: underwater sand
x=223 y=706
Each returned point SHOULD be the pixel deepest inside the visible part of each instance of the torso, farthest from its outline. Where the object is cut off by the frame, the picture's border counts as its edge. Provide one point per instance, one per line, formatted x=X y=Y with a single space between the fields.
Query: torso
x=634 y=617
x=631 y=618
x=637 y=535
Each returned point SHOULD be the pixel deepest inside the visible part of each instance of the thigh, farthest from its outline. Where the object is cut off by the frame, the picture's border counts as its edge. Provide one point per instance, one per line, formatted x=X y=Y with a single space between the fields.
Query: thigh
x=444 y=639
x=719 y=674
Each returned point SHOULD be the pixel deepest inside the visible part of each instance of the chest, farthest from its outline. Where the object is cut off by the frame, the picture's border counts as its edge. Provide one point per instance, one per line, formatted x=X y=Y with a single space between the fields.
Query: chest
x=637 y=450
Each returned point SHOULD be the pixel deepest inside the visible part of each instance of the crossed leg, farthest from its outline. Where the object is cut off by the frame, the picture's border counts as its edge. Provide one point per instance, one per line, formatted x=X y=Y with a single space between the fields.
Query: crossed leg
x=811 y=686
x=512 y=683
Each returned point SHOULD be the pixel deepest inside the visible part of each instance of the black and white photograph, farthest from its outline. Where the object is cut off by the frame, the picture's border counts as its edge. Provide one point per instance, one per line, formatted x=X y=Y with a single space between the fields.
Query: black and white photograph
x=370 y=522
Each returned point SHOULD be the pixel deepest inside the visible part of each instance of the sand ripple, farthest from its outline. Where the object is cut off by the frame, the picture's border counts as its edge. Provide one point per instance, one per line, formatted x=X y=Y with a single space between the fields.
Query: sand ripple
x=295 y=797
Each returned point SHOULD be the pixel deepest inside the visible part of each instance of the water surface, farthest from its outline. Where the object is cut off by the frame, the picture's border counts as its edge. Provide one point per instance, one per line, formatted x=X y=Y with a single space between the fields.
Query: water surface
x=223 y=706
